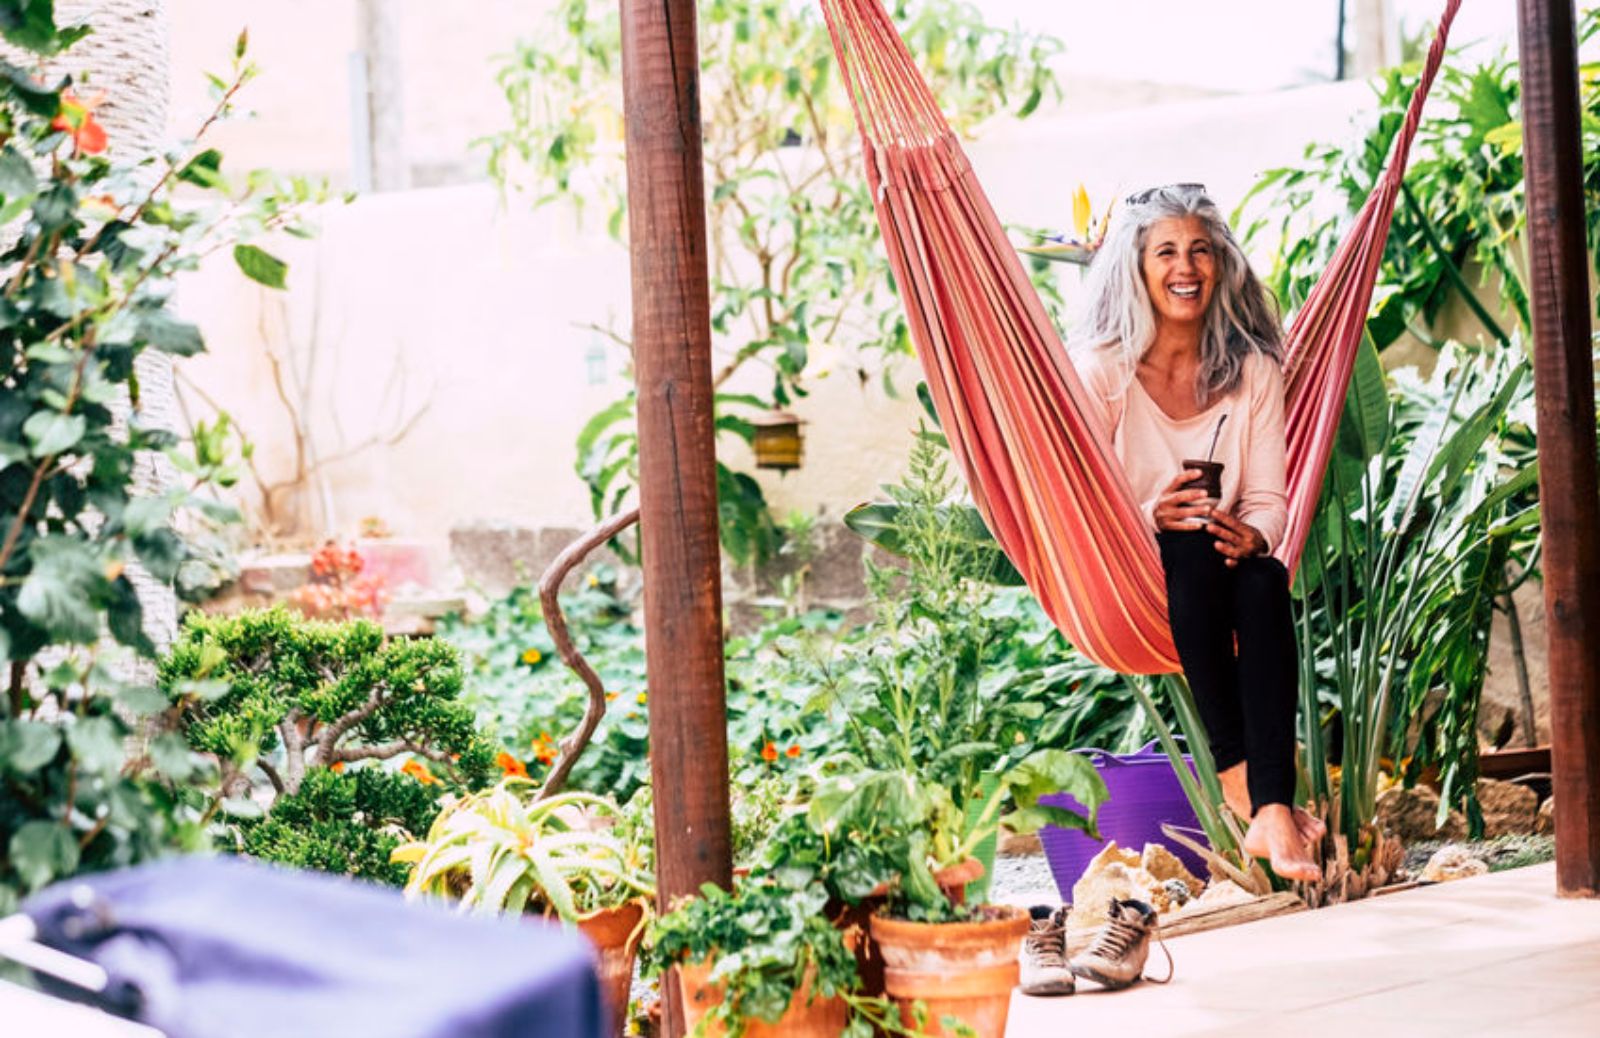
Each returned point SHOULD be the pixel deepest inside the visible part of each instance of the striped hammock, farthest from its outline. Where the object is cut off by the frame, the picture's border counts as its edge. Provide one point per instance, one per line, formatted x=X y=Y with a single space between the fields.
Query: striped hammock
x=1040 y=469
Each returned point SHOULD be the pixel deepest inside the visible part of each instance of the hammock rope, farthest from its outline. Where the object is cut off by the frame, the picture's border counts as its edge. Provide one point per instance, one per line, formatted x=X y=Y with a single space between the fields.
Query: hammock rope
x=1039 y=467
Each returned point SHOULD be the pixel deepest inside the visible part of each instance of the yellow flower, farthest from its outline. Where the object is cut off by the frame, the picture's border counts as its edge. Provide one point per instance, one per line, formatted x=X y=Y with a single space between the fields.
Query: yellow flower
x=1081 y=212
x=531 y=656
x=642 y=698
x=594 y=581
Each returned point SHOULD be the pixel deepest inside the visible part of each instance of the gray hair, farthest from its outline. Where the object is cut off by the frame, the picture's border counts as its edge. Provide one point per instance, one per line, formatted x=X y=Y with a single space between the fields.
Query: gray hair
x=1120 y=317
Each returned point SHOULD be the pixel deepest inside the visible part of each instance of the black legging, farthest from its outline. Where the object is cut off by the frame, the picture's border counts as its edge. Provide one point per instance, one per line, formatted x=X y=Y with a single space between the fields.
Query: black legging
x=1246 y=699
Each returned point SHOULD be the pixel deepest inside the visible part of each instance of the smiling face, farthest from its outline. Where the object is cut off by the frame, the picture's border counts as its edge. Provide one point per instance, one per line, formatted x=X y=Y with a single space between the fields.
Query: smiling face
x=1179 y=269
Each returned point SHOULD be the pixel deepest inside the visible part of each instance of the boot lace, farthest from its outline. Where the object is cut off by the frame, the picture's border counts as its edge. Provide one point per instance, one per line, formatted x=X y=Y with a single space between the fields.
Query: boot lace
x=1046 y=947
x=1121 y=934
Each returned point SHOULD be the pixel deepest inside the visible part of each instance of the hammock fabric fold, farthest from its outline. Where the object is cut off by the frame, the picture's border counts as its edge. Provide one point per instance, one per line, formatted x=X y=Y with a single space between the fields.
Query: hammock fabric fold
x=1039 y=468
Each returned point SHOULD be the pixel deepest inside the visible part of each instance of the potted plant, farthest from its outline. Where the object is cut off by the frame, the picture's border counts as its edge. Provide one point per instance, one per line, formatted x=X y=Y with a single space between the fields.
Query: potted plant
x=758 y=962
x=574 y=855
x=947 y=965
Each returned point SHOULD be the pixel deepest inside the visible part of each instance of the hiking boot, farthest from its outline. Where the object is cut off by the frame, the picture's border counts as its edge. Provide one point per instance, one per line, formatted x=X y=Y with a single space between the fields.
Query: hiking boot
x=1116 y=958
x=1044 y=954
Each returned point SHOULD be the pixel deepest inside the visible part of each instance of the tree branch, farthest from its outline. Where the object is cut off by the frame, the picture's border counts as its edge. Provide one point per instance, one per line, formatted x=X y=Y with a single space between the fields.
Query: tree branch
x=328 y=740
x=549 y=590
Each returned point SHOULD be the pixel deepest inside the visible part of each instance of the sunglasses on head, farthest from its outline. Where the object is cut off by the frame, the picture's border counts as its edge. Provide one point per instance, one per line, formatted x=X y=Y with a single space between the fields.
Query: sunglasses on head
x=1141 y=197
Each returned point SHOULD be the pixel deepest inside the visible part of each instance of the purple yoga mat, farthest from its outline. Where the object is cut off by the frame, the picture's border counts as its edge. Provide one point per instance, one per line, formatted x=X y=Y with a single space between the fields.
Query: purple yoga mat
x=1145 y=793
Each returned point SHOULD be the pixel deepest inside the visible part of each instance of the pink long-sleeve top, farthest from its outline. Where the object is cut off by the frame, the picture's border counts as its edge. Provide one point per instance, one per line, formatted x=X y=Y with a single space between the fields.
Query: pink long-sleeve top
x=1152 y=445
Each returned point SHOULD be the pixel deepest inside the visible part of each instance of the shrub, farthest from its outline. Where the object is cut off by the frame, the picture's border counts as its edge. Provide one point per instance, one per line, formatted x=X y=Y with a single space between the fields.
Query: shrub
x=294 y=703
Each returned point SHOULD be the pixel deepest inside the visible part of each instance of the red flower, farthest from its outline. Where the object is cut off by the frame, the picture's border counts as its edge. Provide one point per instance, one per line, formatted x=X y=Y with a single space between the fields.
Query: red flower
x=76 y=118
x=769 y=752
x=336 y=767
x=792 y=751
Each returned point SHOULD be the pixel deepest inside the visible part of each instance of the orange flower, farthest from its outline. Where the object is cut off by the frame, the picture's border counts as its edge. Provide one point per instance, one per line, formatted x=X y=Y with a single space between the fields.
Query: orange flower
x=769 y=752
x=510 y=765
x=611 y=697
x=417 y=770
x=337 y=767
x=531 y=656
x=792 y=751
x=76 y=118
x=545 y=749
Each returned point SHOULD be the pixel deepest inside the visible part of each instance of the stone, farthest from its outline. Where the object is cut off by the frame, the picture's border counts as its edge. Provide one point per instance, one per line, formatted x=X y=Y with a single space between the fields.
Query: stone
x=1508 y=809
x=1112 y=853
x=1166 y=868
x=1092 y=894
x=1453 y=862
x=1412 y=814
x=1220 y=894
x=1544 y=823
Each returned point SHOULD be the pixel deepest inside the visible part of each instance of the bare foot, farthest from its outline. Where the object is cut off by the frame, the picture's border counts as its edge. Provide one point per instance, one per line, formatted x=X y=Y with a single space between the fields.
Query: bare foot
x=1236 y=790
x=1273 y=835
x=1312 y=829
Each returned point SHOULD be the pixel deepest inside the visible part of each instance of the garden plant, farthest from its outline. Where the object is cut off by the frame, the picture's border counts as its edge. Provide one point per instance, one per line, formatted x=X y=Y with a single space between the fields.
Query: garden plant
x=92 y=241
x=329 y=737
x=797 y=277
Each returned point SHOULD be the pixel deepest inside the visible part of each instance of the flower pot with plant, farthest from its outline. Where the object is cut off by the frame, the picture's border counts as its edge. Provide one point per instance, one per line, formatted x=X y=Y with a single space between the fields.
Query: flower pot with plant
x=950 y=967
x=760 y=962
x=574 y=856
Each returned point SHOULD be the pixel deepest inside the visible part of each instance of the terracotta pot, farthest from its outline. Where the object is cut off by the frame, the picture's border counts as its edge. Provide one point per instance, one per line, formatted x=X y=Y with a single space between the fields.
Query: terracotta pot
x=952 y=880
x=823 y=1018
x=966 y=970
x=615 y=934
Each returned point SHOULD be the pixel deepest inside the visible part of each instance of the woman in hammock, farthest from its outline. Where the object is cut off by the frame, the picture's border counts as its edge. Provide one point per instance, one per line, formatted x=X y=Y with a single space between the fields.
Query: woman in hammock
x=1181 y=350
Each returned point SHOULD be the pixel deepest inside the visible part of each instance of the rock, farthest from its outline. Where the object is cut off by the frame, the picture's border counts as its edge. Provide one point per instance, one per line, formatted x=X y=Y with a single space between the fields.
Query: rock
x=1166 y=868
x=1411 y=814
x=1092 y=894
x=1220 y=894
x=1544 y=823
x=1507 y=808
x=1112 y=853
x=1169 y=895
x=1452 y=862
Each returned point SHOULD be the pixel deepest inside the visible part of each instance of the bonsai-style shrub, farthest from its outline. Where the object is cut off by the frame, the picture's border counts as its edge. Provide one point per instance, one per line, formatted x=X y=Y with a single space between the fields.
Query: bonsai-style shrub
x=302 y=714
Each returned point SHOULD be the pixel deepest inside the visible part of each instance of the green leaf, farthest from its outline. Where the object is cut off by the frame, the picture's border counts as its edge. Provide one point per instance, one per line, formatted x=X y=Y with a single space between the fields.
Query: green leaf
x=170 y=335
x=27 y=746
x=242 y=807
x=1055 y=771
x=172 y=757
x=204 y=170
x=141 y=700
x=42 y=851
x=16 y=174
x=97 y=744
x=52 y=432
x=261 y=266
x=60 y=592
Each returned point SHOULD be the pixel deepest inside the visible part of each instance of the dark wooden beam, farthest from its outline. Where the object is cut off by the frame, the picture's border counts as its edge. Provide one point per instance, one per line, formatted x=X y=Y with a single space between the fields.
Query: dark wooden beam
x=1569 y=484
x=677 y=462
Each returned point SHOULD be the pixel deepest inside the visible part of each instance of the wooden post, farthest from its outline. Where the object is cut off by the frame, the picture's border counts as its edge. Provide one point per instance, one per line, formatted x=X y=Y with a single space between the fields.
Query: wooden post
x=677 y=463
x=1569 y=485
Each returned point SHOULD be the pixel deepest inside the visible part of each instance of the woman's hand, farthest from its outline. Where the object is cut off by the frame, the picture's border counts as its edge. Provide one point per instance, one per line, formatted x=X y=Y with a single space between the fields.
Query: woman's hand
x=1237 y=540
x=1182 y=509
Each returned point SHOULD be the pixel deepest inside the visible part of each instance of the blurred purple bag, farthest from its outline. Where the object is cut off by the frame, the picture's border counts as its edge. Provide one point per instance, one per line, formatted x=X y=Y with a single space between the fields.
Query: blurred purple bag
x=1145 y=794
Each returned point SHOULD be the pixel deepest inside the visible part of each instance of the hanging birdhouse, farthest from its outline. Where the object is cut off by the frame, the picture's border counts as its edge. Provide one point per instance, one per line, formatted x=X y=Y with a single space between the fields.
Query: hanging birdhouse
x=778 y=441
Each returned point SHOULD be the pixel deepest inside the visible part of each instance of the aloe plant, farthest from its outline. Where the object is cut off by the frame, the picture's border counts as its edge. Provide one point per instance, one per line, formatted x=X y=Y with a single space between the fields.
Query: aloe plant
x=497 y=852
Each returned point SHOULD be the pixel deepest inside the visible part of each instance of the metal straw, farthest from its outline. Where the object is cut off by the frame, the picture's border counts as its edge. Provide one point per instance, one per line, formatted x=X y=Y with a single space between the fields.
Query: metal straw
x=1214 y=436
